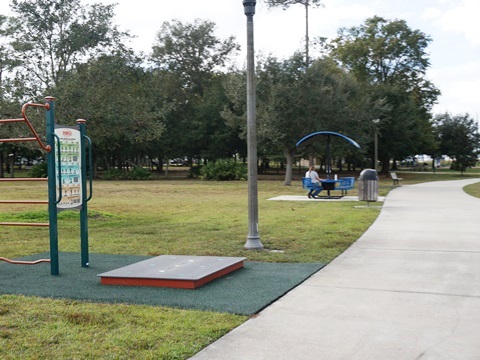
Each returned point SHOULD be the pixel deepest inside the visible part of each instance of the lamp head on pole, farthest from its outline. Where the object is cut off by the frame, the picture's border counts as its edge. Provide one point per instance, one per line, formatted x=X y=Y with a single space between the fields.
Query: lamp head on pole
x=249 y=7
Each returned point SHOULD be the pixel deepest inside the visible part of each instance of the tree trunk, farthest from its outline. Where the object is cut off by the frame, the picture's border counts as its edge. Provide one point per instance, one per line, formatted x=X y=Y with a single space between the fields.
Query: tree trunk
x=119 y=163
x=160 y=163
x=289 y=154
x=385 y=166
x=11 y=164
x=95 y=168
x=307 y=39
x=394 y=164
x=1 y=165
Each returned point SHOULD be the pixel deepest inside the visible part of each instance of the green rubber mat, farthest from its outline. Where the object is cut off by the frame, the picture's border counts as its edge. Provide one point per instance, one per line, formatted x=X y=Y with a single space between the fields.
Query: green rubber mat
x=245 y=291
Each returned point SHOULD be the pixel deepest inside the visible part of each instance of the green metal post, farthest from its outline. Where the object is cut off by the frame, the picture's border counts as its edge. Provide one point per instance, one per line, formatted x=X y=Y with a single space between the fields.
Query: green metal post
x=52 y=189
x=84 y=210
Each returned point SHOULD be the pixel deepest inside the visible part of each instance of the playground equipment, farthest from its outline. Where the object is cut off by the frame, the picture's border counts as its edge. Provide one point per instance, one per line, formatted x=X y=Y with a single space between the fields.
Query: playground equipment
x=66 y=178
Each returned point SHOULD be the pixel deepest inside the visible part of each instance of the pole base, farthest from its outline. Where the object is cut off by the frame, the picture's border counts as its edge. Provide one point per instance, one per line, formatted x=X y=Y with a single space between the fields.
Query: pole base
x=253 y=243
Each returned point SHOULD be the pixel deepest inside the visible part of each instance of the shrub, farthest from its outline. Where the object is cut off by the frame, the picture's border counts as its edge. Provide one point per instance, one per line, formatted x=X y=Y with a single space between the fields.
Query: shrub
x=114 y=174
x=140 y=173
x=222 y=170
x=195 y=171
x=137 y=173
x=39 y=171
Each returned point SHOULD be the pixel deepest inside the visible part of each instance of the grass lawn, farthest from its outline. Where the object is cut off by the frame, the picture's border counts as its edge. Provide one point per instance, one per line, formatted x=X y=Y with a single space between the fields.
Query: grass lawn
x=166 y=217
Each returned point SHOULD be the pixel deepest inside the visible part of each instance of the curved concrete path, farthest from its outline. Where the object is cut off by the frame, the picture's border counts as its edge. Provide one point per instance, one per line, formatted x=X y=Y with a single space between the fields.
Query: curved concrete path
x=409 y=288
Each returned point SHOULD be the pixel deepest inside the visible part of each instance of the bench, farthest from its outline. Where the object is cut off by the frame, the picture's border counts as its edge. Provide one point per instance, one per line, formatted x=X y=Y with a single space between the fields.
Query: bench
x=307 y=184
x=345 y=184
x=395 y=178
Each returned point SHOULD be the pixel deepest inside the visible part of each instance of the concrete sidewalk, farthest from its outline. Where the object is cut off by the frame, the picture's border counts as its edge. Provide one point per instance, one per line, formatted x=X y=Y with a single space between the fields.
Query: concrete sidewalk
x=409 y=288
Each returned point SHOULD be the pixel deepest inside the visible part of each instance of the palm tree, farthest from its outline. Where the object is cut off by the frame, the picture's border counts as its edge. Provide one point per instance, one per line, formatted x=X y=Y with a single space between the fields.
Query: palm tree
x=307 y=3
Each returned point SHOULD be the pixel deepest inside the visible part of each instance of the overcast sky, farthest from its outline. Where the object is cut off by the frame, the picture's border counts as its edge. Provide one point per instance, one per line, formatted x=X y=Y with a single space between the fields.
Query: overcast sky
x=454 y=52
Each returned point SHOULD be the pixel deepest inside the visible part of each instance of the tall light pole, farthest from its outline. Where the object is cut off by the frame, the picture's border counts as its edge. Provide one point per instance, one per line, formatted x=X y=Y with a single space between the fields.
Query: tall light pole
x=376 y=122
x=253 y=237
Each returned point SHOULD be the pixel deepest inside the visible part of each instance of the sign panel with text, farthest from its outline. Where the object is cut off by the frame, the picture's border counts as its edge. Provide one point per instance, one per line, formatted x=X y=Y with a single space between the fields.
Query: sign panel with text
x=70 y=167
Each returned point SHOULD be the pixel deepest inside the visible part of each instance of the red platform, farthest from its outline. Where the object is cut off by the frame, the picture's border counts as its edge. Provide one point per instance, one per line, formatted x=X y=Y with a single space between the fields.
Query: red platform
x=174 y=271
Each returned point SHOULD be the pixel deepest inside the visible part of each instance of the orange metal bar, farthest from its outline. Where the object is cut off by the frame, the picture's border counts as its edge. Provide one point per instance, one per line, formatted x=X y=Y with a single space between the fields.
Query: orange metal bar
x=23 y=179
x=36 y=138
x=11 y=120
x=47 y=148
x=18 y=140
x=23 y=201
x=21 y=262
x=23 y=224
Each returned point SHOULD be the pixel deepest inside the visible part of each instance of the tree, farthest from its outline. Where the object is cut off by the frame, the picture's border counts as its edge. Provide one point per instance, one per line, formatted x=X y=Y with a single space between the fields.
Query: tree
x=218 y=140
x=8 y=61
x=195 y=127
x=11 y=94
x=192 y=52
x=52 y=36
x=122 y=102
x=306 y=3
x=282 y=112
x=292 y=103
x=391 y=60
x=194 y=61
x=459 y=139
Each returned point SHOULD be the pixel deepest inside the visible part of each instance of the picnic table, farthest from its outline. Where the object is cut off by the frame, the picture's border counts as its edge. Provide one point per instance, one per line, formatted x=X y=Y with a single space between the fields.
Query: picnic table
x=329 y=185
x=343 y=184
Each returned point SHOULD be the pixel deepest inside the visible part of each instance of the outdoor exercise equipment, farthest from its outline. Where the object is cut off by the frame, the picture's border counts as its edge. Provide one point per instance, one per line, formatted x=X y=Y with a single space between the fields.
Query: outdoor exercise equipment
x=307 y=140
x=174 y=271
x=66 y=178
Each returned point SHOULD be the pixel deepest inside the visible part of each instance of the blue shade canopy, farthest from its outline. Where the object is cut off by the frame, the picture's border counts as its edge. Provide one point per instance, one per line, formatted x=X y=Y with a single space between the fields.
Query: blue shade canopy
x=312 y=137
x=328 y=134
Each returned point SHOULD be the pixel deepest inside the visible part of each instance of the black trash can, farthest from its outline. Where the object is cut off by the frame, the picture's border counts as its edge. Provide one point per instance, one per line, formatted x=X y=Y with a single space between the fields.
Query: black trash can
x=368 y=185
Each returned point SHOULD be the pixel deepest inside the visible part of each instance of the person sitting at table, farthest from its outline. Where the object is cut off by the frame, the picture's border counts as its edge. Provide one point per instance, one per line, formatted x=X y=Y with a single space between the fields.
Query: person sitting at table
x=316 y=186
